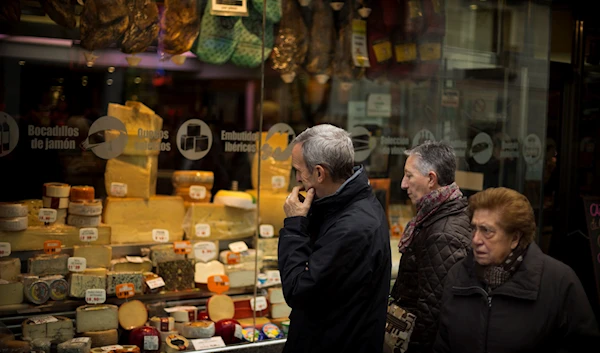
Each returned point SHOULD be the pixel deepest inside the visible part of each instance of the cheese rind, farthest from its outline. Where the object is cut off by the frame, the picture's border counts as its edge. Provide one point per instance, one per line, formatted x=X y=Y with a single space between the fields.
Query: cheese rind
x=115 y=278
x=102 y=338
x=280 y=310
x=199 y=329
x=139 y=173
x=133 y=219
x=164 y=253
x=44 y=265
x=275 y=296
x=224 y=222
x=178 y=275
x=80 y=282
x=95 y=255
x=132 y=314
x=58 y=331
x=10 y=268
x=33 y=238
x=97 y=318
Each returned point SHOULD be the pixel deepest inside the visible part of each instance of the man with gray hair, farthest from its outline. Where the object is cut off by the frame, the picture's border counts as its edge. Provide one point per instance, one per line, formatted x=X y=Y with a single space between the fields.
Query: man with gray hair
x=334 y=249
x=433 y=241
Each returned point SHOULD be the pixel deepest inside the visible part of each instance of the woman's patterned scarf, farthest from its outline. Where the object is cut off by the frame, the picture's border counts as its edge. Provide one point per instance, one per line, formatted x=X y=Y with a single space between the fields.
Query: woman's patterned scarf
x=495 y=276
x=427 y=206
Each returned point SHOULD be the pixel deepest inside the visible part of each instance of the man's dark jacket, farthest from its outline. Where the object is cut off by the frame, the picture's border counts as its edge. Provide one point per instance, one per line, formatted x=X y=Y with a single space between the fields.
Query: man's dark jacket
x=335 y=267
x=442 y=240
x=541 y=308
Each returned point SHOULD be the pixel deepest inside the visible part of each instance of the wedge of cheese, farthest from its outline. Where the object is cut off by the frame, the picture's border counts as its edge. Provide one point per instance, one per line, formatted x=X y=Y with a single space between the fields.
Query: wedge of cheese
x=80 y=282
x=57 y=328
x=139 y=173
x=97 y=318
x=135 y=116
x=10 y=268
x=12 y=292
x=95 y=255
x=133 y=219
x=33 y=238
x=218 y=222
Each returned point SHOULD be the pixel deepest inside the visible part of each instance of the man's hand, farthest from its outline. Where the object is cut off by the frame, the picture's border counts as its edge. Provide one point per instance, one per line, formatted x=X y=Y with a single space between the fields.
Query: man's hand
x=294 y=207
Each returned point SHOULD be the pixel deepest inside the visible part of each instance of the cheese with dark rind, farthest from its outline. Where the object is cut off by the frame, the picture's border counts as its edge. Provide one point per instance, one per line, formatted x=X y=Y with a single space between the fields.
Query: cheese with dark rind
x=178 y=275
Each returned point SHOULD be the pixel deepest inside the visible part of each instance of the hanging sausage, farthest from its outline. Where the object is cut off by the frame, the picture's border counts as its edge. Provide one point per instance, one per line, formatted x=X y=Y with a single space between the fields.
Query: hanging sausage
x=143 y=28
x=291 y=42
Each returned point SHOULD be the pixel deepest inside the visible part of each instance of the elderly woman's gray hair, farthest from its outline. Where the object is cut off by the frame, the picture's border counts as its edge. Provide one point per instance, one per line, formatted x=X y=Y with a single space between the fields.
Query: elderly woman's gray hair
x=330 y=147
x=436 y=156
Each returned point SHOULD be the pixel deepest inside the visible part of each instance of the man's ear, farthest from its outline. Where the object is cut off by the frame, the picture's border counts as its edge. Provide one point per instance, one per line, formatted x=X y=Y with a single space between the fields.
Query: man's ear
x=320 y=173
x=433 y=180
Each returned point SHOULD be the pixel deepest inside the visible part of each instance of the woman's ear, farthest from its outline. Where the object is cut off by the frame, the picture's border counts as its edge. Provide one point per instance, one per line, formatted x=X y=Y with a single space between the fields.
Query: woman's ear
x=516 y=238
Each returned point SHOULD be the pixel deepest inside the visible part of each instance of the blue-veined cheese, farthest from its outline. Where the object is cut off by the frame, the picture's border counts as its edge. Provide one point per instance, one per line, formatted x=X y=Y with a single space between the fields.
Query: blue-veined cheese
x=80 y=282
x=115 y=278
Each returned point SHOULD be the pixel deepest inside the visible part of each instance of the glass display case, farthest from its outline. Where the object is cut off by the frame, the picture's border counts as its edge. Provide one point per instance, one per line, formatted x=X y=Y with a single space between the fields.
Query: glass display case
x=145 y=150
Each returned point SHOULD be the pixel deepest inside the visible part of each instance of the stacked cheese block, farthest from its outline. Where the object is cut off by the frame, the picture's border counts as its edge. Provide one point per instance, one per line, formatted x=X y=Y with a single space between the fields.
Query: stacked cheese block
x=84 y=209
x=193 y=186
x=45 y=279
x=11 y=288
x=97 y=258
x=133 y=210
x=56 y=196
x=13 y=216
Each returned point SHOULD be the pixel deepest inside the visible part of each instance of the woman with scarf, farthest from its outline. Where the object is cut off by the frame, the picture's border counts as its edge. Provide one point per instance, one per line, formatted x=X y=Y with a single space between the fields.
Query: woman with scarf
x=506 y=295
x=434 y=240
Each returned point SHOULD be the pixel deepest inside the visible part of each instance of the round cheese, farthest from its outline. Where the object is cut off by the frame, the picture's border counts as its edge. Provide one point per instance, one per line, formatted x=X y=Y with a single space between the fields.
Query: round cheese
x=102 y=338
x=59 y=289
x=238 y=199
x=176 y=343
x=220 y=307
x=199 y=329
x=37 y=292
x=56 y=190
x=164 y=335
x=13 y=209
x=163 y=324
x=133 y=314
x=79 y=193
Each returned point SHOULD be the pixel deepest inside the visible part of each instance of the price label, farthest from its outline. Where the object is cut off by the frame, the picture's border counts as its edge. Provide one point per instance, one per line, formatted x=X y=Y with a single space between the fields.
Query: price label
x=238 y=246
x=52 y=246
x=205 y=251
x=95 y=296
x=47 y=215
x=155 y=283
x=206 y=343
x=259 y=304
x=4 y=249
x=218 y=284
x=278 y=182
x=182 y=247
x=150 y=343
x=233 y=258
x=134 y=259
x=88 y=234
x=160 y=235
x=113 y=348
x=202 y=230
x=273 y=277
x=125 y=290
x=38 y=320
x=80 y=340
x=118 y=189
x=197 y=192
x=77 y=264
x=266 y=231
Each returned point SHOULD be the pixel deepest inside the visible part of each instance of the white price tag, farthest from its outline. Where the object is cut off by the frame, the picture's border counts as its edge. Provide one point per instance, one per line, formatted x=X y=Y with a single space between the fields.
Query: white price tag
x=206 y=343
x=88 y=234
x=259 y=305
x=273 y=277
x=150 y=343
x=47 y=215
x=205 y=251
x=202 y=230
x=80 y=340
x=38 y=320
x=4 y=249
x=238 y=332
x=95 y=296
x=160 y=235
x=112 y=348
x=118 y=189
x=77 y=264
x=197 y=192
x=266 y=231
x=278 y=182
x=134 y=259
x=238 y=246
x=155 y=283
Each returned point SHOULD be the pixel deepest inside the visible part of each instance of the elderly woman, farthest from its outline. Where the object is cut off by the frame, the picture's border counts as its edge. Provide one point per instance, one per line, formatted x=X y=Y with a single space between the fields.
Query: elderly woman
x=506 y=295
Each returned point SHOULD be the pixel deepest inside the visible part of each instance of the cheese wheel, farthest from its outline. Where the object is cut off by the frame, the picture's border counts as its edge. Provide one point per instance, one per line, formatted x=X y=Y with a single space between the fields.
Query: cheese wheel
x=164 y=335
x=199 y=329
x=176 y=343
x=184 y=315
x=59 y=289
x=133 y=314
x=163 y=324
x=55 y=202
x=57 y=328
x=220 y=307
x=187 y=178
x=37 y=292
x=97 y=318
x=186 y=194
x=83 y=221
x=85 y=207
x=102 y=338
x=13 y=209
x=179 y=326
x=13 y=224
x=237 y=199
x=56 y=190
x=80 y=193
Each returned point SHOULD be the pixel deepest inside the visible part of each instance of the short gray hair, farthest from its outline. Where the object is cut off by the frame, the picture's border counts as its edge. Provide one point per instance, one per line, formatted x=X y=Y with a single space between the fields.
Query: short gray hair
x=436 y=156
x=330 y=147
